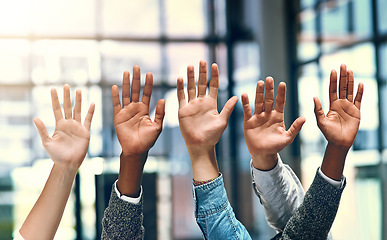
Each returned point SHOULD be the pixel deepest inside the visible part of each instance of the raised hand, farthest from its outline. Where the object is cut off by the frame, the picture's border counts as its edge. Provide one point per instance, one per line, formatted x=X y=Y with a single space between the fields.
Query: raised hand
x=265 y=132
x=70 y=141
x=341 y=123
x=67 y=148
x=200 y=123
x=136 y=132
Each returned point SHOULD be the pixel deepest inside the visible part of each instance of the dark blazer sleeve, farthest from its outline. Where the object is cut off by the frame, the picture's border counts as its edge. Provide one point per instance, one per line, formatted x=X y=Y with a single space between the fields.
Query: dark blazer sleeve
x=315 y=216
x=122 y=220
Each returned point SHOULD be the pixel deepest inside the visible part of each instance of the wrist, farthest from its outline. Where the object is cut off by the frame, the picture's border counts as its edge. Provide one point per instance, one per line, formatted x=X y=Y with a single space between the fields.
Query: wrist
x=65 y=173
x=67 y=169
x=204 y=164
x=130 y=173
x=128 y=156
x=264 y=162
x=334 y=161
x=201 y=152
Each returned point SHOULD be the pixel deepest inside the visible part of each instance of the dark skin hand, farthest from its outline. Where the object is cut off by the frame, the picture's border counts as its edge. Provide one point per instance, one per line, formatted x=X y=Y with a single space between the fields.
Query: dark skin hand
x=341 y=124
x=136 y=131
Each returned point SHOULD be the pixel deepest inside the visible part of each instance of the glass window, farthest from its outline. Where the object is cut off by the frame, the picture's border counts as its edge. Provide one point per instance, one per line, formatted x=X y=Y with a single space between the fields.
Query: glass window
x=221 y=60
x=65 y=61
x=382 y=16
x=220 y=17
x=307 y=47
x=15 y=17
x=246 y=62
x=308 y=87
x=15 y=126
x=15 y=56
x=118 y=57
x=361 y=66
x=63 y=17
x=186 y=18
x=383 y=62
x=307 y=3
x=180 y=55
x=361 y=18
x=383 y=113
x=130 y=18
x=335 y=28
x=367 y=137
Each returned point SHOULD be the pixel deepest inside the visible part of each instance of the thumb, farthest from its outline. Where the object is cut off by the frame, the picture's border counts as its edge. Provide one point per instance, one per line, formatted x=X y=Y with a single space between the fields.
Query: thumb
x=247 y=113
x=160 y=113
x=318 y=111
x=228 y=108
x=295 y=128
x=42 y=130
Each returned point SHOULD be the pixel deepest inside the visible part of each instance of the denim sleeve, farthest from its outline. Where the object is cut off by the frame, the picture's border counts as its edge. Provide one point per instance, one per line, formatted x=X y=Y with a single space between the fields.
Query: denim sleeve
x=214 y=214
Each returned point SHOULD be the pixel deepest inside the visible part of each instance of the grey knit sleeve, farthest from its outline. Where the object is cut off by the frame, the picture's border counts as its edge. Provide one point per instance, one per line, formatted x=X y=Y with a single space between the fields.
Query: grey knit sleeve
x=122 y=220
x=315 y=216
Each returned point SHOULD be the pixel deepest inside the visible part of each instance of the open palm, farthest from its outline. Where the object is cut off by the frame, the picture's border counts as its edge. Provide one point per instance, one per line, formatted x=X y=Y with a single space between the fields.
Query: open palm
x=135 y=130
x=70 y=140
x=341 y=123
x=265 y=131
x=200 y=123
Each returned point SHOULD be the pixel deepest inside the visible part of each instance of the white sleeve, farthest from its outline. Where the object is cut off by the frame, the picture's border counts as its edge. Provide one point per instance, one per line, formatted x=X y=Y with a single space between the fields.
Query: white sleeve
x=18 y=236
x=126 y=198
x=338 y=184
x=280 y=192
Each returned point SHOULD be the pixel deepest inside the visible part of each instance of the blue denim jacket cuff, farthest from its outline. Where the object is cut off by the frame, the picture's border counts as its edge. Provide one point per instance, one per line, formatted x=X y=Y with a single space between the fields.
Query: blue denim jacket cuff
x=210 y=197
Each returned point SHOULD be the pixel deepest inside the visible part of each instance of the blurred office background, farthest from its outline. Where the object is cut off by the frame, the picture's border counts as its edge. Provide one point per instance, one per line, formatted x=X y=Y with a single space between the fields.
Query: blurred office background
x=89 y=43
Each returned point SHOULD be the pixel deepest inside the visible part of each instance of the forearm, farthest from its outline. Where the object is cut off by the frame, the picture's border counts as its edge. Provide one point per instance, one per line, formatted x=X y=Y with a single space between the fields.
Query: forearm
x=334 y=161
x=130 y=174
x=204 y=164
x=264 y=162
x=44 y=218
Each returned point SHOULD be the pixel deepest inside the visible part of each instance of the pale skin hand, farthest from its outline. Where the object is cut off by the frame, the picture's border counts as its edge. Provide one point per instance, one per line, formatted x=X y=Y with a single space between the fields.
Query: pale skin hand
x=67 y=148
x=265 y=132
x=200 y=123
x=341 y=123
x=70 y=141
x=136 y=132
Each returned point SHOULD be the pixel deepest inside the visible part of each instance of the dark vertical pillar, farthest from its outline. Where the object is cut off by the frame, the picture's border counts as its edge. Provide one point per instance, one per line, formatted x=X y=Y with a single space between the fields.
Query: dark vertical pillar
x=292 y=111
x=381 y=85
x=231 y=10
x=78 y=208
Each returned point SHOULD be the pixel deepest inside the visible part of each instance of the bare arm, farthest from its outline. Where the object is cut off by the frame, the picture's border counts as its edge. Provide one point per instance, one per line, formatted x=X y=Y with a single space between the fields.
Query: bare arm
x=341 y=123
x=67 y=148
x=339 y=127
x=136 y=132
x=200 y=123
